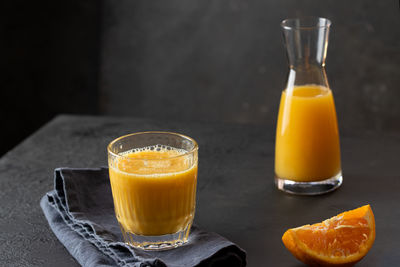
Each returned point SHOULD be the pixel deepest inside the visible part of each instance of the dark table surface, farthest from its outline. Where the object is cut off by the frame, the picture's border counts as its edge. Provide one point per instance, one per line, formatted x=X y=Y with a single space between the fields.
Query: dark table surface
x=236 y=194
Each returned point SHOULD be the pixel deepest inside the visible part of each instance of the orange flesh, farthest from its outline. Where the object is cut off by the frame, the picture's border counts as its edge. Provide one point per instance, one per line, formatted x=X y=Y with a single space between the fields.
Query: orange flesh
x=337 y=238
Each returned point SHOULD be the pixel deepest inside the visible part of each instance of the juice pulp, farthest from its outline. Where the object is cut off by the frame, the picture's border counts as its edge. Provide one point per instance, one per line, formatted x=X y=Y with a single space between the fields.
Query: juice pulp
x=307 y=139
x=154 y=191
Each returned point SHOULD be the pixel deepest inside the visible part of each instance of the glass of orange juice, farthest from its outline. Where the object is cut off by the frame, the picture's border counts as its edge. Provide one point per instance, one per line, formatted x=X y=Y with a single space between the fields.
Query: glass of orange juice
x=307 y=150
x=153 y=178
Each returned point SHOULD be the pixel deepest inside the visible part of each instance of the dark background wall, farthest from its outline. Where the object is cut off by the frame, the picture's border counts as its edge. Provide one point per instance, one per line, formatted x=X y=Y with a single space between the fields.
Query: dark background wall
x=49 y=63
x=188 y=60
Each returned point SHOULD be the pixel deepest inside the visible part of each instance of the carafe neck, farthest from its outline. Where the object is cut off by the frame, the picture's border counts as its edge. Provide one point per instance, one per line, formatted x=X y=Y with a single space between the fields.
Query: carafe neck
x=306 y=42
x=311 y=74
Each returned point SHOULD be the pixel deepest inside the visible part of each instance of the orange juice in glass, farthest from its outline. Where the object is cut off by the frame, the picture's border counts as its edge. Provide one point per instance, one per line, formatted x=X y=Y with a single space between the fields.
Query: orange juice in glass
x=307 y=150
x=153 y=178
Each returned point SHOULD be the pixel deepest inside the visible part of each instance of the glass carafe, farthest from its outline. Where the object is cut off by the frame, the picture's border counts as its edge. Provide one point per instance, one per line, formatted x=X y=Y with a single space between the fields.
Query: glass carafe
x=307 y=150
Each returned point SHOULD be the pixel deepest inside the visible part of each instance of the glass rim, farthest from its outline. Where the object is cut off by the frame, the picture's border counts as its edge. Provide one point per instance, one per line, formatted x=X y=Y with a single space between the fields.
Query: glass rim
x=194 y=149
x=285 y=23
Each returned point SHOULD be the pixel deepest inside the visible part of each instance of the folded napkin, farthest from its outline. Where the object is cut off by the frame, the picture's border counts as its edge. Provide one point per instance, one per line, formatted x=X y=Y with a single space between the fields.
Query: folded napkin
x=80 y=212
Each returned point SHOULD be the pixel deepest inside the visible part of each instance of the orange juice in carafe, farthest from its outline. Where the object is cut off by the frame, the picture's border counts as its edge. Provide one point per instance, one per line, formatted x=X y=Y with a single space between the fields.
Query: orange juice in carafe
x=307 y=139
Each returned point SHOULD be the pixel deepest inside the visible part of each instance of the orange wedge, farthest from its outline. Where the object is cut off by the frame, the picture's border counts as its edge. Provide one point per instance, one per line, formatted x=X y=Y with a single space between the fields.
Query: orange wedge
x=342 y=240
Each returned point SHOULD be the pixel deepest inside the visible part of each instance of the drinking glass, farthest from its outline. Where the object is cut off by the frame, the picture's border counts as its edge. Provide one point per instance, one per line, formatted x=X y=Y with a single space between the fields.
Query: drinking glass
x=153 y=179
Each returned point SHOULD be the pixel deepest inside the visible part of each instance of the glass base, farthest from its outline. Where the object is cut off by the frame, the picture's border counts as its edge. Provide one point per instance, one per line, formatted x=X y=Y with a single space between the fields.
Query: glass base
x=162 y=242
x=309 y=188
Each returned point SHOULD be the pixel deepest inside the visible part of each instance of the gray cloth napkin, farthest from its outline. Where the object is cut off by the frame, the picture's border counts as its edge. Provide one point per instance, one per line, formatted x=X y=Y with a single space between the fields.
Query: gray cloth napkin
x=80 y=212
